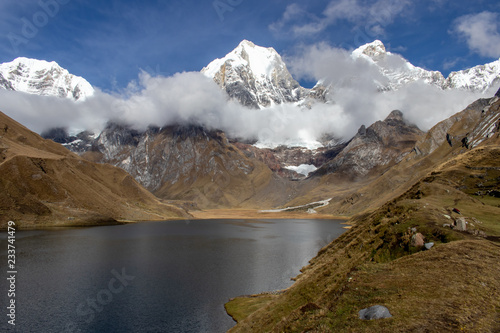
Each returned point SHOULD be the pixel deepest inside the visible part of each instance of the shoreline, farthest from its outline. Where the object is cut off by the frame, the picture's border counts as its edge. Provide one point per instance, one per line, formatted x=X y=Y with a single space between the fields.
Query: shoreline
x=251 y=214
x=208 y=214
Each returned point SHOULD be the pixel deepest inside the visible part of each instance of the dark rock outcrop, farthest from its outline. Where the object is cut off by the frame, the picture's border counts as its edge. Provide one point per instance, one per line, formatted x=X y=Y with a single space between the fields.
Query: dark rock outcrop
x=382 y=144
x=374 y=312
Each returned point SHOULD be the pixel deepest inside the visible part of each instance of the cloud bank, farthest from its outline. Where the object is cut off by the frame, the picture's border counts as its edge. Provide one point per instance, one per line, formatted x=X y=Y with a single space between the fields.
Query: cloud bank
x=192 y=98
x=355 y=92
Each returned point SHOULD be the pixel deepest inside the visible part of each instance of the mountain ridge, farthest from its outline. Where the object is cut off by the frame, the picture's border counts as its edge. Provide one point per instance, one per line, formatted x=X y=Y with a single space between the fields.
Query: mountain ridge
x=44 y=184
x=478 y=78
x=43 y=78
x=257 y=77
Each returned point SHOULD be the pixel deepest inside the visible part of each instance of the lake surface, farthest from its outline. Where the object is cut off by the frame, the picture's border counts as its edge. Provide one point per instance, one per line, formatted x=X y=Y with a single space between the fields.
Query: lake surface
x=170 y=276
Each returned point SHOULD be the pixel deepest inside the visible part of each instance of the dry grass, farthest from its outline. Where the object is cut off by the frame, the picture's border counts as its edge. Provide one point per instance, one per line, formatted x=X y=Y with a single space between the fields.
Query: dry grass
x=452 y=287
x=241 y=307
x=256 y=214
x=43 y=184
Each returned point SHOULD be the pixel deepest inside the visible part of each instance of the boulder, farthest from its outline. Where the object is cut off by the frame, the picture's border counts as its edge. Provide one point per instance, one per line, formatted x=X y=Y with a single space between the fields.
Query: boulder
x=460 y=224
x=417 y=240
x=374 y=312
x=428 y=246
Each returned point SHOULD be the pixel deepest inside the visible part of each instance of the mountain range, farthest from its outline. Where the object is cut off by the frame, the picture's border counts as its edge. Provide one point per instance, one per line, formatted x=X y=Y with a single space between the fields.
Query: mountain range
x=258 y=77
x=189 y=162
x=422 y=206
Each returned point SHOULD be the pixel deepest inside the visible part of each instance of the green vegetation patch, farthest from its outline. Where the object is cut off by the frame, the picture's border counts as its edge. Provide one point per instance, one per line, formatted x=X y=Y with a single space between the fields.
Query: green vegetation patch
x=241 y=307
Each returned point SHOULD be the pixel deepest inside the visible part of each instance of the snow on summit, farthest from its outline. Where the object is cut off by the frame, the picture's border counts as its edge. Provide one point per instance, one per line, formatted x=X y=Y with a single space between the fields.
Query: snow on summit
x=255 y=76
x=44 y=78
x=262 y=61
x=400 y=71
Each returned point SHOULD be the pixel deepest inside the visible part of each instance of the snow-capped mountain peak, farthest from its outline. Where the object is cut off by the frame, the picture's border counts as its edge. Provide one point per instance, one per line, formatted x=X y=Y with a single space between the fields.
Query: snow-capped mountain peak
x=398 y=71
x=372 y=51
x=262 y=61
x=255 y=75
x=44 y=78
x=478 y=78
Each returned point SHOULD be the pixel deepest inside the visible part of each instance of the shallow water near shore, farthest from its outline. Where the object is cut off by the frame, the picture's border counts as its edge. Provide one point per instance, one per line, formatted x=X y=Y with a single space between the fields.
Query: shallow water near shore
x=172 y=276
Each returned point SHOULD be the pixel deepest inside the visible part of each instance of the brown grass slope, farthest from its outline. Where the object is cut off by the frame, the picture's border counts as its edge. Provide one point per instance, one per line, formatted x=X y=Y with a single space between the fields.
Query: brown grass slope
x=44 y=184
x=452 y=287
x=352 y=197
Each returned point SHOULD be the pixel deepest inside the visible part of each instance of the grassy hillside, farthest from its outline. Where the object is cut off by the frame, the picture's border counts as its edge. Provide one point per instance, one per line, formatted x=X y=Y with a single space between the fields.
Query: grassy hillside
x=453 y=286
x=44 y=184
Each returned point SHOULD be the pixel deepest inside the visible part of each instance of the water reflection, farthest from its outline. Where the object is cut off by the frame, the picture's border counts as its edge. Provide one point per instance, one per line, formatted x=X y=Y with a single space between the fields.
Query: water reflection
x=183 y=272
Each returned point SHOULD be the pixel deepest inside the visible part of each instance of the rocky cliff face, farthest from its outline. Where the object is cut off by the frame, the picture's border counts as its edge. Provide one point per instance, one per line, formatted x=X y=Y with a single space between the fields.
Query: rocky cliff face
x=487 y=127
x=294 y=163
x=43 y=78
x=452 y=130
x=255 y=76
x=381 y=145
x=182 y=162
x=43 y=183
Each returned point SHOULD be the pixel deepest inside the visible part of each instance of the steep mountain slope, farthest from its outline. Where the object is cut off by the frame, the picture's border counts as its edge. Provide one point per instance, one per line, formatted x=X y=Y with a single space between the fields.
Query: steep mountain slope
x=398 y=71
x=44 y=184
x=394 y=68
x=255 y=76
x=43 y=78
x=452 y=204
x=478 y=78
x=444 y=141
x=189 y=163
x=381 y=145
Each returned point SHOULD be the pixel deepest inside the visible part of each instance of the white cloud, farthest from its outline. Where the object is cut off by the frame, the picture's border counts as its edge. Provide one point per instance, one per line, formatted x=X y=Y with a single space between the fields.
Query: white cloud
x=357 y=99
x=372 y=17
x=185 y=98
x=481 y=32
x=192 y=98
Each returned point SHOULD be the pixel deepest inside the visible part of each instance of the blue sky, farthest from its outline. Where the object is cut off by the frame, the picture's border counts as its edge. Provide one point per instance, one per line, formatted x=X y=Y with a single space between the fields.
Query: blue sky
x=109 y=41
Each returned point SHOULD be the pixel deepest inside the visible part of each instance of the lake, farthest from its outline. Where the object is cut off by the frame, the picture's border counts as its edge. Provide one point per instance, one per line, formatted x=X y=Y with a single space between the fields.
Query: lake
x=172 y=276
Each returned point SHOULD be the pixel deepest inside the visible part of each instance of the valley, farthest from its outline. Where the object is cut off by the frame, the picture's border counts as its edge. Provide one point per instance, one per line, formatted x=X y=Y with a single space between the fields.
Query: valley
x=419 y=205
